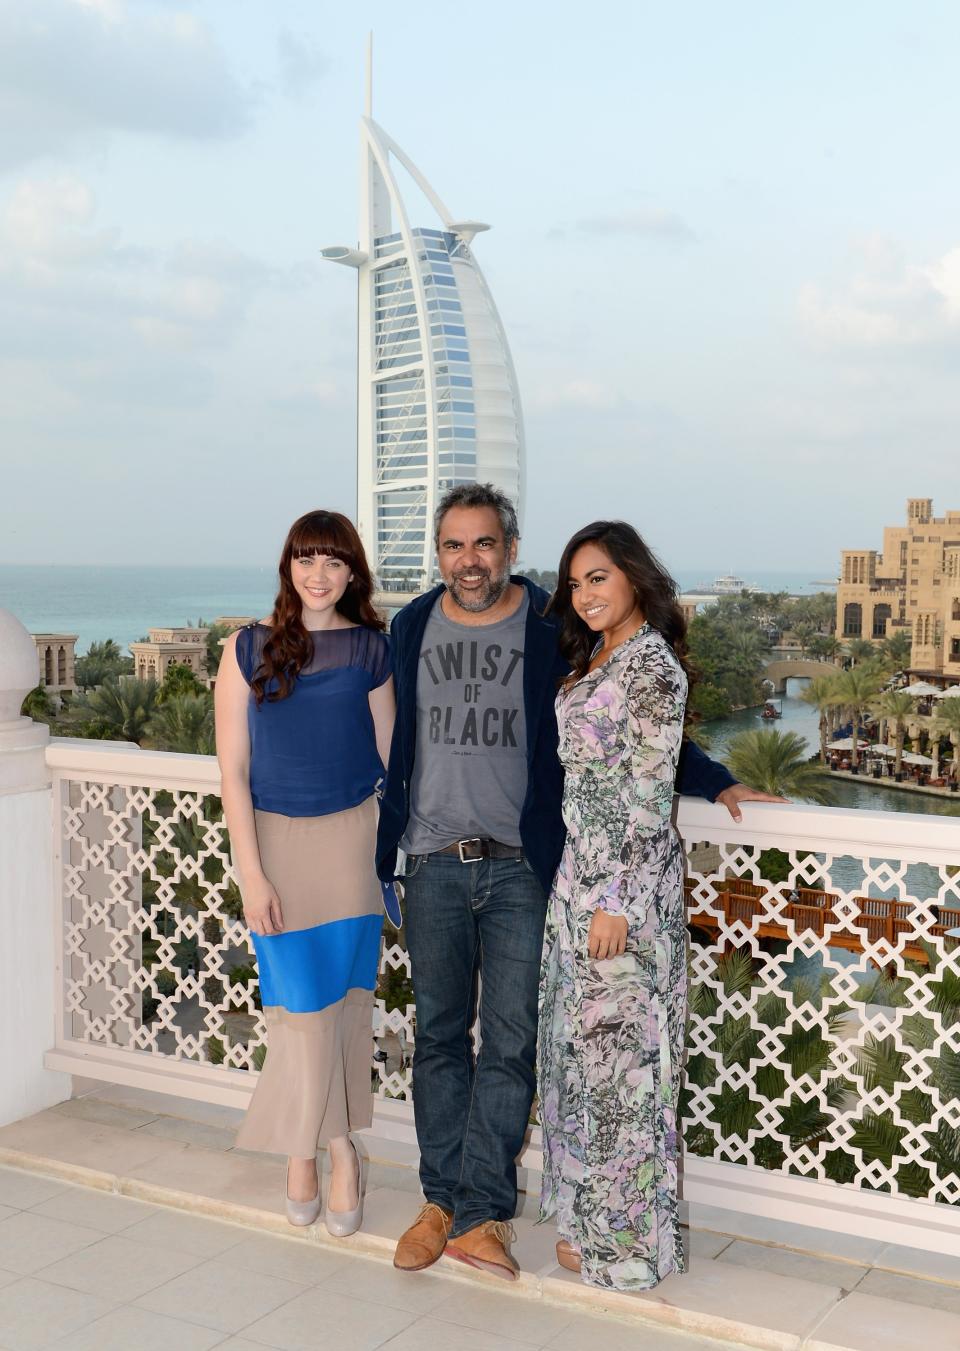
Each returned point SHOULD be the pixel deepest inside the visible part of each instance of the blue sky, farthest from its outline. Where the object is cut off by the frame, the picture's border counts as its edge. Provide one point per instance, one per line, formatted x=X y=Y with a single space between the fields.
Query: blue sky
x=726 y=250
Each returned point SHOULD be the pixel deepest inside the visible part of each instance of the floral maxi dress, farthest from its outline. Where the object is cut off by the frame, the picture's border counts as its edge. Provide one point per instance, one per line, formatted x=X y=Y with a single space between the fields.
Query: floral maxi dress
x=611 y=1032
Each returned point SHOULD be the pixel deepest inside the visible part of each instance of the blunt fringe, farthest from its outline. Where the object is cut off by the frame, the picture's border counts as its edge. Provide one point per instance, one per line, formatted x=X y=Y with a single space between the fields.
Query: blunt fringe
x=655 y=589
x=478 y=495
x=289 y=647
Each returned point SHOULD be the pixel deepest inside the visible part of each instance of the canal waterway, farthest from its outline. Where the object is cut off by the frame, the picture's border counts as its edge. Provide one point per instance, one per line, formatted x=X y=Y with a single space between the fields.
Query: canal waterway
x=920 y=881
x=801 y=718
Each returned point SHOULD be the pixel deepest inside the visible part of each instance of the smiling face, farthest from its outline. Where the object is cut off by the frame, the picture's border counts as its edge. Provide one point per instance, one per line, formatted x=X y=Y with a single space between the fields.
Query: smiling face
x=474 y=558
x=600 y=592
x=320 y=581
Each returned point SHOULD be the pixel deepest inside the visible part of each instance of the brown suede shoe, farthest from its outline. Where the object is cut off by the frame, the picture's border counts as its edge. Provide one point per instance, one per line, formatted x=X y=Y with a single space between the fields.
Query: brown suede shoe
x=568 y=1256
x=425 y=1240
x=485 y=1246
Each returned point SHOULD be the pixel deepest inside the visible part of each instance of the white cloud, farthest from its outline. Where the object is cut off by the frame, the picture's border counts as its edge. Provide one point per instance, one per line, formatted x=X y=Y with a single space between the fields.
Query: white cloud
x=888 y=301
x=646 y=222
x=302 y=63
x=73 y=291
x=75 y=70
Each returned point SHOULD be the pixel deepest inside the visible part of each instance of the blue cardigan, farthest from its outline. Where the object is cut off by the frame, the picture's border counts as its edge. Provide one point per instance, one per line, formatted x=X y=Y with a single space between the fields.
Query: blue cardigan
x=541 y=823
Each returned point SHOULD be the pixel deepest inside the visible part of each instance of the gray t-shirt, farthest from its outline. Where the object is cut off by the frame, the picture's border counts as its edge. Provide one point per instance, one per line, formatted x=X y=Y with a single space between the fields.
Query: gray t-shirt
x=470 y=772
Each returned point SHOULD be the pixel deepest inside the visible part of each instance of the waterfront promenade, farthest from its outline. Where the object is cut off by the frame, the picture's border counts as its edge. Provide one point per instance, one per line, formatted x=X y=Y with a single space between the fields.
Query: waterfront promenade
x=907 y=786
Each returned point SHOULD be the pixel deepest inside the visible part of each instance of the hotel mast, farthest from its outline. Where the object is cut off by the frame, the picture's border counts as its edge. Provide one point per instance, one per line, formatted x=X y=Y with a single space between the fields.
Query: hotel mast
x=437 y=397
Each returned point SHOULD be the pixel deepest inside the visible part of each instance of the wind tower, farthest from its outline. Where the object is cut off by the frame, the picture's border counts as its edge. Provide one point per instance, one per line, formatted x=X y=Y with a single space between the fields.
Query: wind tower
x=437 y=396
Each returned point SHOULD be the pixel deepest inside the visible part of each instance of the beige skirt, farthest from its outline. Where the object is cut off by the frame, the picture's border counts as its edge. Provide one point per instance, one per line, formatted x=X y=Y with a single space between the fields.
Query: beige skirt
x=317 y=979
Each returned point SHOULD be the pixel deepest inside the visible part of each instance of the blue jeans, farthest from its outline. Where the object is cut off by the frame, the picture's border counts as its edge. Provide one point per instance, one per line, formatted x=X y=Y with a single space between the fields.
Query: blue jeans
x=472 y=1111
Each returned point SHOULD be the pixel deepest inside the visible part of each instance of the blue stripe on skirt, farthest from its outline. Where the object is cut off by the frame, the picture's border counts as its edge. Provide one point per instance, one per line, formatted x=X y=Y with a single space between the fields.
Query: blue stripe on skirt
x=309 y=969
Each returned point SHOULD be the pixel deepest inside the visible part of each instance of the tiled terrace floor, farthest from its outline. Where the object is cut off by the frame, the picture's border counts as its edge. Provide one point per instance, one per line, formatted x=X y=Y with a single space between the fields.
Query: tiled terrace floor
x=127 y=1225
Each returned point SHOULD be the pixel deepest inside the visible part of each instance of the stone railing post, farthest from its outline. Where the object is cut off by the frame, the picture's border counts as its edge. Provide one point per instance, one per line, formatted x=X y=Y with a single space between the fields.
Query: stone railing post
x=27 y=990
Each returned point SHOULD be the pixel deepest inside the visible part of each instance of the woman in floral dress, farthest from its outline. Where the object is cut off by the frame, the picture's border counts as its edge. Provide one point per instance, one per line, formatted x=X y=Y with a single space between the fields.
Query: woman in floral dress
x=613 y=980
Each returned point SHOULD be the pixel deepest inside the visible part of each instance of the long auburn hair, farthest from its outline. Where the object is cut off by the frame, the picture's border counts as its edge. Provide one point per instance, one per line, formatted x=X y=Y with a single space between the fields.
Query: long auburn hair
x=655 y=589
x=289 y=647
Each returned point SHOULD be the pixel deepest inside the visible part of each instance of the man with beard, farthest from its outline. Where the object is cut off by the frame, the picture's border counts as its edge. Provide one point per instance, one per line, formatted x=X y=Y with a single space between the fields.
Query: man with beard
x=473 y=798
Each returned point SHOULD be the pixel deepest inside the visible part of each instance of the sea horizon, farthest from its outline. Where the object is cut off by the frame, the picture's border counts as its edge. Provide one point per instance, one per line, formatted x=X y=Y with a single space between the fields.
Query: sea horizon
x=119 y=601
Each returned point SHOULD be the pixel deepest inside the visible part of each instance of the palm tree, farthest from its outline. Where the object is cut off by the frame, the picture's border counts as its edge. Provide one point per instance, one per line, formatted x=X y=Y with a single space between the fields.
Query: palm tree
x=860 y=651
x=38 y=705
x=804 y=632
x=776 y=762
x=184 y=723
x=825 y=647
x=179 y=680
x=119 y=709
x=896 y=707
x=946 y=722
x=854 y=691
x=896 y=650
x=819 y=695
x=217 y=632
x=102 y=661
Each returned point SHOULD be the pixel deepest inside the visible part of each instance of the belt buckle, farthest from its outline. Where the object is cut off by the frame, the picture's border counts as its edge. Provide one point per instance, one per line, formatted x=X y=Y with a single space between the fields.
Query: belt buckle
x=462 y=844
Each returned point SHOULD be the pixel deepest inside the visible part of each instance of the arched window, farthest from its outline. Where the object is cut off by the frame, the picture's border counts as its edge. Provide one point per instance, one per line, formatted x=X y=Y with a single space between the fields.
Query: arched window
x=48 y=665
x=852 y=620
x=955 y=612
x=61 y=666
x=881 y=613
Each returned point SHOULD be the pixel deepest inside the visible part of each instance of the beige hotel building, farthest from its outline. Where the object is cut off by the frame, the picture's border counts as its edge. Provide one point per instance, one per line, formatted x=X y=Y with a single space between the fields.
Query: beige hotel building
x=913 y=585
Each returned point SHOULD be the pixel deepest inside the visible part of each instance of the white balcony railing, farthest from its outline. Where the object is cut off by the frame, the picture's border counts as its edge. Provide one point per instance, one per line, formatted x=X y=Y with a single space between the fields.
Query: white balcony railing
x=824 y=1034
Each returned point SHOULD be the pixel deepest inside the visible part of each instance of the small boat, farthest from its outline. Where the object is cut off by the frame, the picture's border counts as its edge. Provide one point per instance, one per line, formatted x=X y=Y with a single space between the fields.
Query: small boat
x=772 y=709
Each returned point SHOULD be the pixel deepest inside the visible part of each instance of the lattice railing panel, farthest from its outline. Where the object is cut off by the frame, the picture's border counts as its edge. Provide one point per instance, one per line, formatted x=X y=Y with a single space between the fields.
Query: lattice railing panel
x=824 y=1029
x=824 y=1032
x=156 y=955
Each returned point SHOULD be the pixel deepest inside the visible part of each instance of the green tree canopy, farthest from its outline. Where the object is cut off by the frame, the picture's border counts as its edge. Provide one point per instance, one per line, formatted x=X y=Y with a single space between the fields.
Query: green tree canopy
x=728 y=648
x=819 y=694
x=102 y=661
x=825 y=647
x=947 y=723
x=184 y=723
x=218 y=632
x=118 y=709
x=178 y=680
x=38 y=705
x=895 y=707
x=854 y=692
x=776 y=762
x=861 y=651
x=895 y=650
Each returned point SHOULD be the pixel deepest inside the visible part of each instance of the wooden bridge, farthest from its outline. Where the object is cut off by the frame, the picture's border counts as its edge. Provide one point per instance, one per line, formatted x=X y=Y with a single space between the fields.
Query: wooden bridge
x=812 y=912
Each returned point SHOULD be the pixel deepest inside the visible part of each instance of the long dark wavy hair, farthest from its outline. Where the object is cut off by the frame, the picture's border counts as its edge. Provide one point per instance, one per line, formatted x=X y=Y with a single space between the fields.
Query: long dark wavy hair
x=655 y=589
x=290 y=647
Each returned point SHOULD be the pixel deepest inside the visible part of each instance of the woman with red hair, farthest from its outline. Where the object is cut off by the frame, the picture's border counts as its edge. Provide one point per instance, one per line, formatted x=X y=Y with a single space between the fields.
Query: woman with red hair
x=304 y=709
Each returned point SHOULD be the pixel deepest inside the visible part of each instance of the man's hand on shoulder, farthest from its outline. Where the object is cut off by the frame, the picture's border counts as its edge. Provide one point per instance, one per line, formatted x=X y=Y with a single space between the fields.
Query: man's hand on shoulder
x=739 y=792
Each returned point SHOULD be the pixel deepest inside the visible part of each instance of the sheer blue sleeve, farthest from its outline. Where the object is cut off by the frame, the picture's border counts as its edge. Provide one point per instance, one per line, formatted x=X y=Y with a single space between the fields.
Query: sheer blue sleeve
x=380 y=665
x=246 y=638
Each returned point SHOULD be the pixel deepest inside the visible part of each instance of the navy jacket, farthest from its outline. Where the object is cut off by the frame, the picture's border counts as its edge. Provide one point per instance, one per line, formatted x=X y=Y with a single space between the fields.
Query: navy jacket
x=541 y=823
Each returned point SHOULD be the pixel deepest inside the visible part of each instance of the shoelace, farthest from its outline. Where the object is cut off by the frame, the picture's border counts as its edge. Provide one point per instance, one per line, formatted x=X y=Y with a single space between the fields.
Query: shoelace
x=425 y=1211
x=502 y=1230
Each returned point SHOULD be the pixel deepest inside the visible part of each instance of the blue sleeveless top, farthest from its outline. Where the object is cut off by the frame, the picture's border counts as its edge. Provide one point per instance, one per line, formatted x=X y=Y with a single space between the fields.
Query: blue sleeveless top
x=315 y=752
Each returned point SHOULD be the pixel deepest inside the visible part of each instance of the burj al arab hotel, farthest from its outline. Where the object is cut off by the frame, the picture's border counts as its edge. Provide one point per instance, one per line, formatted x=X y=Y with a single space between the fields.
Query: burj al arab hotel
x=437 y=397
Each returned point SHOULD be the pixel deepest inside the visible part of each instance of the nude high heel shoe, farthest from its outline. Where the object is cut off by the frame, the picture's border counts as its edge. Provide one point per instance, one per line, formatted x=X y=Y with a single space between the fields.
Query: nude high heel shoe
x=343 y=1223
x=302 y=1213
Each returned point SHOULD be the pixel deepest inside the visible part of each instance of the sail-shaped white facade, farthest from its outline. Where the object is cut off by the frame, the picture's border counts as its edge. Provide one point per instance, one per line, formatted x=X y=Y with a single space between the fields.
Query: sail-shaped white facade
x=437 y=397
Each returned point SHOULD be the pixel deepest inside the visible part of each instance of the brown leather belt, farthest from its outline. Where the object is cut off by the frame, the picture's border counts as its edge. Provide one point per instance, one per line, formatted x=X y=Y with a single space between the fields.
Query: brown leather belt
x=475 y=849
